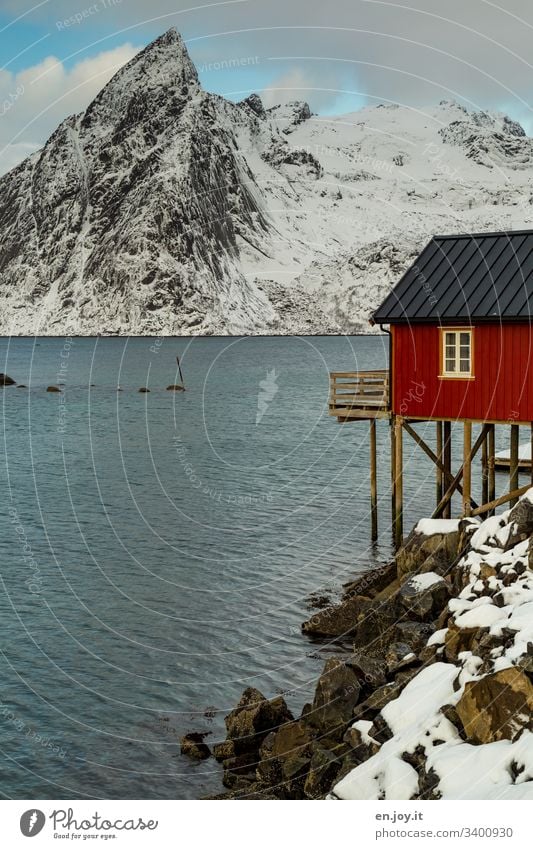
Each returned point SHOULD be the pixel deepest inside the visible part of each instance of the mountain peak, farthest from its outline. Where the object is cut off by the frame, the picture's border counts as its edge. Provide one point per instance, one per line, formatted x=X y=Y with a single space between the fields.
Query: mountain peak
x=162 y=71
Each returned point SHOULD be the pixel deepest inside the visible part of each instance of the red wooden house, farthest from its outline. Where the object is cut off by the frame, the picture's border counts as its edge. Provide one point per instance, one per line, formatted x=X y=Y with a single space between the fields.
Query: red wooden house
x=461 y=345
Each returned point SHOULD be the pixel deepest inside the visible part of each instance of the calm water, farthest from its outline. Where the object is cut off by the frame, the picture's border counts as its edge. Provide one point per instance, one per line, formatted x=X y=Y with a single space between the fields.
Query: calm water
x=157 y=549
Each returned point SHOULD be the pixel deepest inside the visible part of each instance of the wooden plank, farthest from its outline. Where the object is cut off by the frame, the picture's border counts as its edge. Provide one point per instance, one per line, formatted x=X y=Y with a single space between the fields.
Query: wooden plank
x=503 y=499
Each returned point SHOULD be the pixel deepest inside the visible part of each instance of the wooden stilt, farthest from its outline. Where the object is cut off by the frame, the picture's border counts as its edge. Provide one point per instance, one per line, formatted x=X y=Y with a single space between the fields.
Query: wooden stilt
x=393 y=467
x=439 y=475
x=484 y=471
x=513 y=465
x=531 y=453
x=453 y=487
x=373 y=480
x=398 y=514
x=447 y=461
x=491 y=494
x=467 y=467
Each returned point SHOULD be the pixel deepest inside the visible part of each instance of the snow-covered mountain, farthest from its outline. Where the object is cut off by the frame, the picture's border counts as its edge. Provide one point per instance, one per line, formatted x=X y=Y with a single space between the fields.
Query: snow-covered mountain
x=166 y=209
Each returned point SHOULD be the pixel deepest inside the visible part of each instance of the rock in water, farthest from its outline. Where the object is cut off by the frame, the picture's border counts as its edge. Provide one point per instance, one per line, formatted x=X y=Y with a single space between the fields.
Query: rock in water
x=144 y=389
x=175 y=388
x=192 y=746
x=5 y=380
x=253 y=718
x=53 y=389
x=497 y=707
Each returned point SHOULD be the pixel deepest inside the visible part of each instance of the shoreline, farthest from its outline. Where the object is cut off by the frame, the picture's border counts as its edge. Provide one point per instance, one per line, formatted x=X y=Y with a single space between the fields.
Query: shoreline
x=440 y=673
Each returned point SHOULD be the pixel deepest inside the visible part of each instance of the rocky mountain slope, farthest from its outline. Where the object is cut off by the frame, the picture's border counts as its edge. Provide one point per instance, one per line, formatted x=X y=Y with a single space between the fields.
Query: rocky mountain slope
x=166 y=209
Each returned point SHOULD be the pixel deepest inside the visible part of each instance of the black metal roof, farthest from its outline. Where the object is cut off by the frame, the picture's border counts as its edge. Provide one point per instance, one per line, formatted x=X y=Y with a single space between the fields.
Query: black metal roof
x=472 y=277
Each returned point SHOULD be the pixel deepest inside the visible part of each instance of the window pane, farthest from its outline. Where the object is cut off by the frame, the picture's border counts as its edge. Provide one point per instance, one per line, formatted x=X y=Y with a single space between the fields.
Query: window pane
x=450 y=365
x=465 y=338
x=450 y=339
x=450 y=352
x=465 y=366
x=465 y=352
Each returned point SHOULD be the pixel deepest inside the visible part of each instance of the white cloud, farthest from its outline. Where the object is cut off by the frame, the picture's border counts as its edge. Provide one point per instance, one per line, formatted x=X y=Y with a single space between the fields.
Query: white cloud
x=34 y=102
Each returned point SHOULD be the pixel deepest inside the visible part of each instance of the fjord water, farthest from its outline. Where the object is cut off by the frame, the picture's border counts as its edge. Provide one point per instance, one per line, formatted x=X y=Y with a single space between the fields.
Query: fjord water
x=157 y=549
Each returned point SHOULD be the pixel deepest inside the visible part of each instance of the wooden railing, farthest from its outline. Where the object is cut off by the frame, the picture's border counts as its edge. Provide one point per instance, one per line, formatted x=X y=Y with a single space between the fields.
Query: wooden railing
x=363 y=393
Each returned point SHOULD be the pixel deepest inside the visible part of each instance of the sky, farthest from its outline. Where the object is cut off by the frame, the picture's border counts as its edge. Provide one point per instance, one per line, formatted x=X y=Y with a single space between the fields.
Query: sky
x=55 y=55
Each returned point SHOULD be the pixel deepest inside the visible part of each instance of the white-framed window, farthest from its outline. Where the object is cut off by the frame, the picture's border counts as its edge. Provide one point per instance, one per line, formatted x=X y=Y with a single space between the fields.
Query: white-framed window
x=457 y=353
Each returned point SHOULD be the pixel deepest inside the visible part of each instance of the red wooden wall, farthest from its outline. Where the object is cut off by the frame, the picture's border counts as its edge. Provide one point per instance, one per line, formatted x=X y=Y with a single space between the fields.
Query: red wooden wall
x=502 y=389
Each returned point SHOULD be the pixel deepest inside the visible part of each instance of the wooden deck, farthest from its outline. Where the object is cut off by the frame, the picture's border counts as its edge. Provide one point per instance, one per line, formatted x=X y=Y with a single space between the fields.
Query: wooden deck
x=359 y=395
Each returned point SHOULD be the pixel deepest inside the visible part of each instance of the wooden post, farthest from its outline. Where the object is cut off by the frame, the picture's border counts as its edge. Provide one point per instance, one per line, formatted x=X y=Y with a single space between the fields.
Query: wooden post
x=373 y=480
x=398 y=480
x=439 y=475
x=531 y=453
x=467 y=468
x=491 y=494
x=447 y=461
x=484 y=471
x=393 y=467
x=513 y=465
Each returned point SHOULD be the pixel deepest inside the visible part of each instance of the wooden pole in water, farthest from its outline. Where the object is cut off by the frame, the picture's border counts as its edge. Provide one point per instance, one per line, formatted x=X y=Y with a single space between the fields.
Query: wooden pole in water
x=447 y=460
x=181 y=373
x=393 y=466
x=398 y=514
x=485 y=471
x=531 y=454
x=439 y=475
x=491 y=494
x=373 y=480
x=467 y=468
x=513 y=465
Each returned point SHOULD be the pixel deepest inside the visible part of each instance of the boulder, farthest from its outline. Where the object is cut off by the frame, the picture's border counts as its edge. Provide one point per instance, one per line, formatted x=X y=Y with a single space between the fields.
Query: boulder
x=398 y=656
x=253 y=718
x=5 y=380
x=376 y=627
x=424 y=596
x=521 y=520
x=338 y=621
x=372 y=582
x=496 y=707
x=421 y=546
x=192 y=746
x=383 y=695
x=53 y=389
x=336 y=695
x=240 y=771
x=223 y=751
x=415 y=634
x=144 y=389
x=371 y=671
x=458 y=640
x=323 y=770
x=175 y=387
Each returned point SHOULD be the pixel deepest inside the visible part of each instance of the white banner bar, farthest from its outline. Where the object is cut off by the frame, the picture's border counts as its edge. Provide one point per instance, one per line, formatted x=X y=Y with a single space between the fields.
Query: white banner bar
x=335 y=825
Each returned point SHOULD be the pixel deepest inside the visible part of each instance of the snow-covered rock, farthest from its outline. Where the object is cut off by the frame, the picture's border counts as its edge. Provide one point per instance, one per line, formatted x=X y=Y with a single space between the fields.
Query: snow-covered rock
x=167 y=209
x=461 y=727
